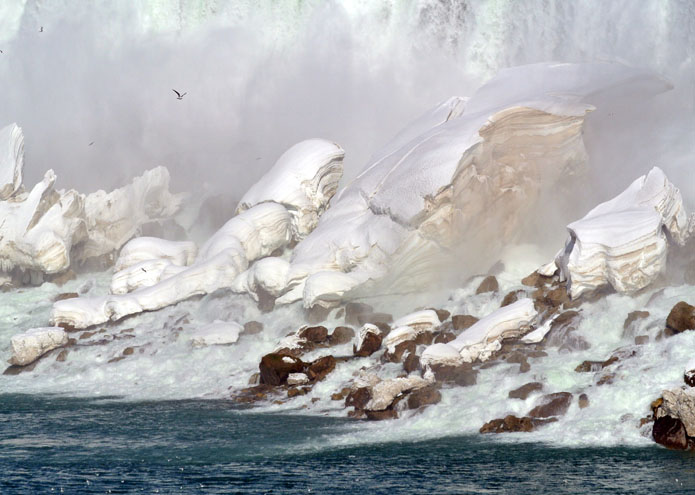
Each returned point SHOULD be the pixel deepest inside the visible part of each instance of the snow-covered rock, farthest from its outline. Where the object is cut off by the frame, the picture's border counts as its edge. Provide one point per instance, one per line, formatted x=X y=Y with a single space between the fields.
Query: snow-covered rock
x=11 y=160
x=217 y=333
x=385 y=392
x=140 y=249
x=27 y=347
x=623 y=242
x=444 y=354
x=297 y=379
x=465 y=180
x=304 y=179
x=423 y=320
x=485 y=337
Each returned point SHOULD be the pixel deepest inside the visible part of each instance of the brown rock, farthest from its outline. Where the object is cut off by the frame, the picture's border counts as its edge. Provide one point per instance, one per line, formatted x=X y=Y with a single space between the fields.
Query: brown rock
x=606 y=379
x=65 y=295
x=266 y=302
x=337 y=396
x=681 y=317
x=316 y=335
x=633 y=317
x=128 y=351
x=589 y=366
x=411 y=363
x=321 y=367
x=516 y=357
x=296 y=392
x=425 y=338
x=63 y=278
x=399 y=351
x=62 y=356
x=642 y=339
x=524 y=367
x=512 y=297
x=442 y=314
x=339 y=314
x=253 y=327
x=444 y=337
x=424 y=397
x=489 y=284
x=316 y=314
x=462 y=322
x=354 y=309
x=670 y=432
x=381 y=415
x=358 y=398
x=552 y=405
x=86 y=335
x=583 y=401
x=536 y=280
x=525 y=390
x=341 y=335
x=463 y=375
x=370 y=344
x=276 y=367
x=689 y=378
x=509 y=424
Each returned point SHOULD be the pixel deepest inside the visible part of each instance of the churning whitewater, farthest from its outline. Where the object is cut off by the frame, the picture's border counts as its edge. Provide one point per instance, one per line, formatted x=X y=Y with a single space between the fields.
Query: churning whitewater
x=436 y=218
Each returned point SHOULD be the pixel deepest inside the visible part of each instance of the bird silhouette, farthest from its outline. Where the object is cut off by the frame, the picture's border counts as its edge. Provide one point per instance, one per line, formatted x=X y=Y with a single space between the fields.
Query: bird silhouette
x=41 y=30
x=179 y=96
x=91 y=143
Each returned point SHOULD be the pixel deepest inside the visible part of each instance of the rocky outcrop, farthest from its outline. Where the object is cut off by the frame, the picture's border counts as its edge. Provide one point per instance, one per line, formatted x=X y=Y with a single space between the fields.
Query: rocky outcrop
x=681 y=317
x=513 y=424
x=525 y=390
x=550 y=405
x=670 y=432
x=489 y=284
x=276 y=368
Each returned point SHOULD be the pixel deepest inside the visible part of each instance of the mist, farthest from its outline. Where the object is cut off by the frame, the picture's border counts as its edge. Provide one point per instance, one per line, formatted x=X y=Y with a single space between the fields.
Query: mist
x=261 y=77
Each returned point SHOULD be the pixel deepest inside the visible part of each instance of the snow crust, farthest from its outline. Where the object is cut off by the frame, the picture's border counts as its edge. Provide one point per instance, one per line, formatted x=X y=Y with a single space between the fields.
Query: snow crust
x=304 y=179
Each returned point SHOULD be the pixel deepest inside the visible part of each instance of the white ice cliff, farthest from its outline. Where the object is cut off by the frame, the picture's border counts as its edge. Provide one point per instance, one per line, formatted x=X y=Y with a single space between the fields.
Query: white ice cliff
x=457 y=181
x=623 y=242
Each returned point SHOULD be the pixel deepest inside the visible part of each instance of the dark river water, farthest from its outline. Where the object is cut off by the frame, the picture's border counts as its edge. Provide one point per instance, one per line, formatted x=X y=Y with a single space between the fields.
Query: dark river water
x=63 y=445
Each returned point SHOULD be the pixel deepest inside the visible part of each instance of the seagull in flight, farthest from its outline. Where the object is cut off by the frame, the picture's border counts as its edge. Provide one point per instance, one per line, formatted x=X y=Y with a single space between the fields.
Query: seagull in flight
x=179 y=96
x=41 y=30
x=91 y=143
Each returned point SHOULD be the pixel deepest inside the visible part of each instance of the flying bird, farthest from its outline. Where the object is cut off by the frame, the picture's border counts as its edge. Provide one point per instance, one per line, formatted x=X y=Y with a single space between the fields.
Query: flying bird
x=41 y=30
x=179 y=96
x=91 y=143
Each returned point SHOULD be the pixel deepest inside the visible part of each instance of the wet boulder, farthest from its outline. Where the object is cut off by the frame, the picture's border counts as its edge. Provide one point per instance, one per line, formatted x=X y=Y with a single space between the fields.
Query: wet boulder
x=552 y=405
x=358 y=397
x=411 y=363
x=525 y=390
x=318 y=369
x=368 y=341
x=513 y=424
x=462 y=375
x=670 y=432
x=316 y=335
x=424 y=397
x=341 y=335
x=489 y=284
x=681 y=317
x=583 y=401
x=275 y=368
x=253 y=327
x=463 y=322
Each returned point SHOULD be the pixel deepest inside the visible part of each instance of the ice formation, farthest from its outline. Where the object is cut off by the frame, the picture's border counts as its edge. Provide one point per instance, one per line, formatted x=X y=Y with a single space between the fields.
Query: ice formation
x=304 y=179
x=442 y=184
x=11 y=160
x=155 y=274
x=217 y=333
x=27 y=347
x=47 y=230
x=484 y=338
x=623 y=242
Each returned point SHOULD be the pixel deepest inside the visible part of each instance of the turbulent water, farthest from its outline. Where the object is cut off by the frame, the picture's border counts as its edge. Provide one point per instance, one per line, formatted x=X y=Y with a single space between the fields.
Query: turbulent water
x=62 y=445
x=261 y=76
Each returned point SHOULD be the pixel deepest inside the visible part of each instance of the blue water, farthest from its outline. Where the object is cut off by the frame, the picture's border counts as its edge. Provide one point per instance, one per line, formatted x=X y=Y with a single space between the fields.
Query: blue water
x=55 y=444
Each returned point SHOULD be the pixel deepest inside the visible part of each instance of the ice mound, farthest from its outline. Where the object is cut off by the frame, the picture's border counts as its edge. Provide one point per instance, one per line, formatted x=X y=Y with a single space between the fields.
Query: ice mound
x=217 y=333
x=47 y=230
x=463 y=178
x=277 y=211
x=484 y=338
x=27 y=347
x=623 y=242
x=304 y=179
